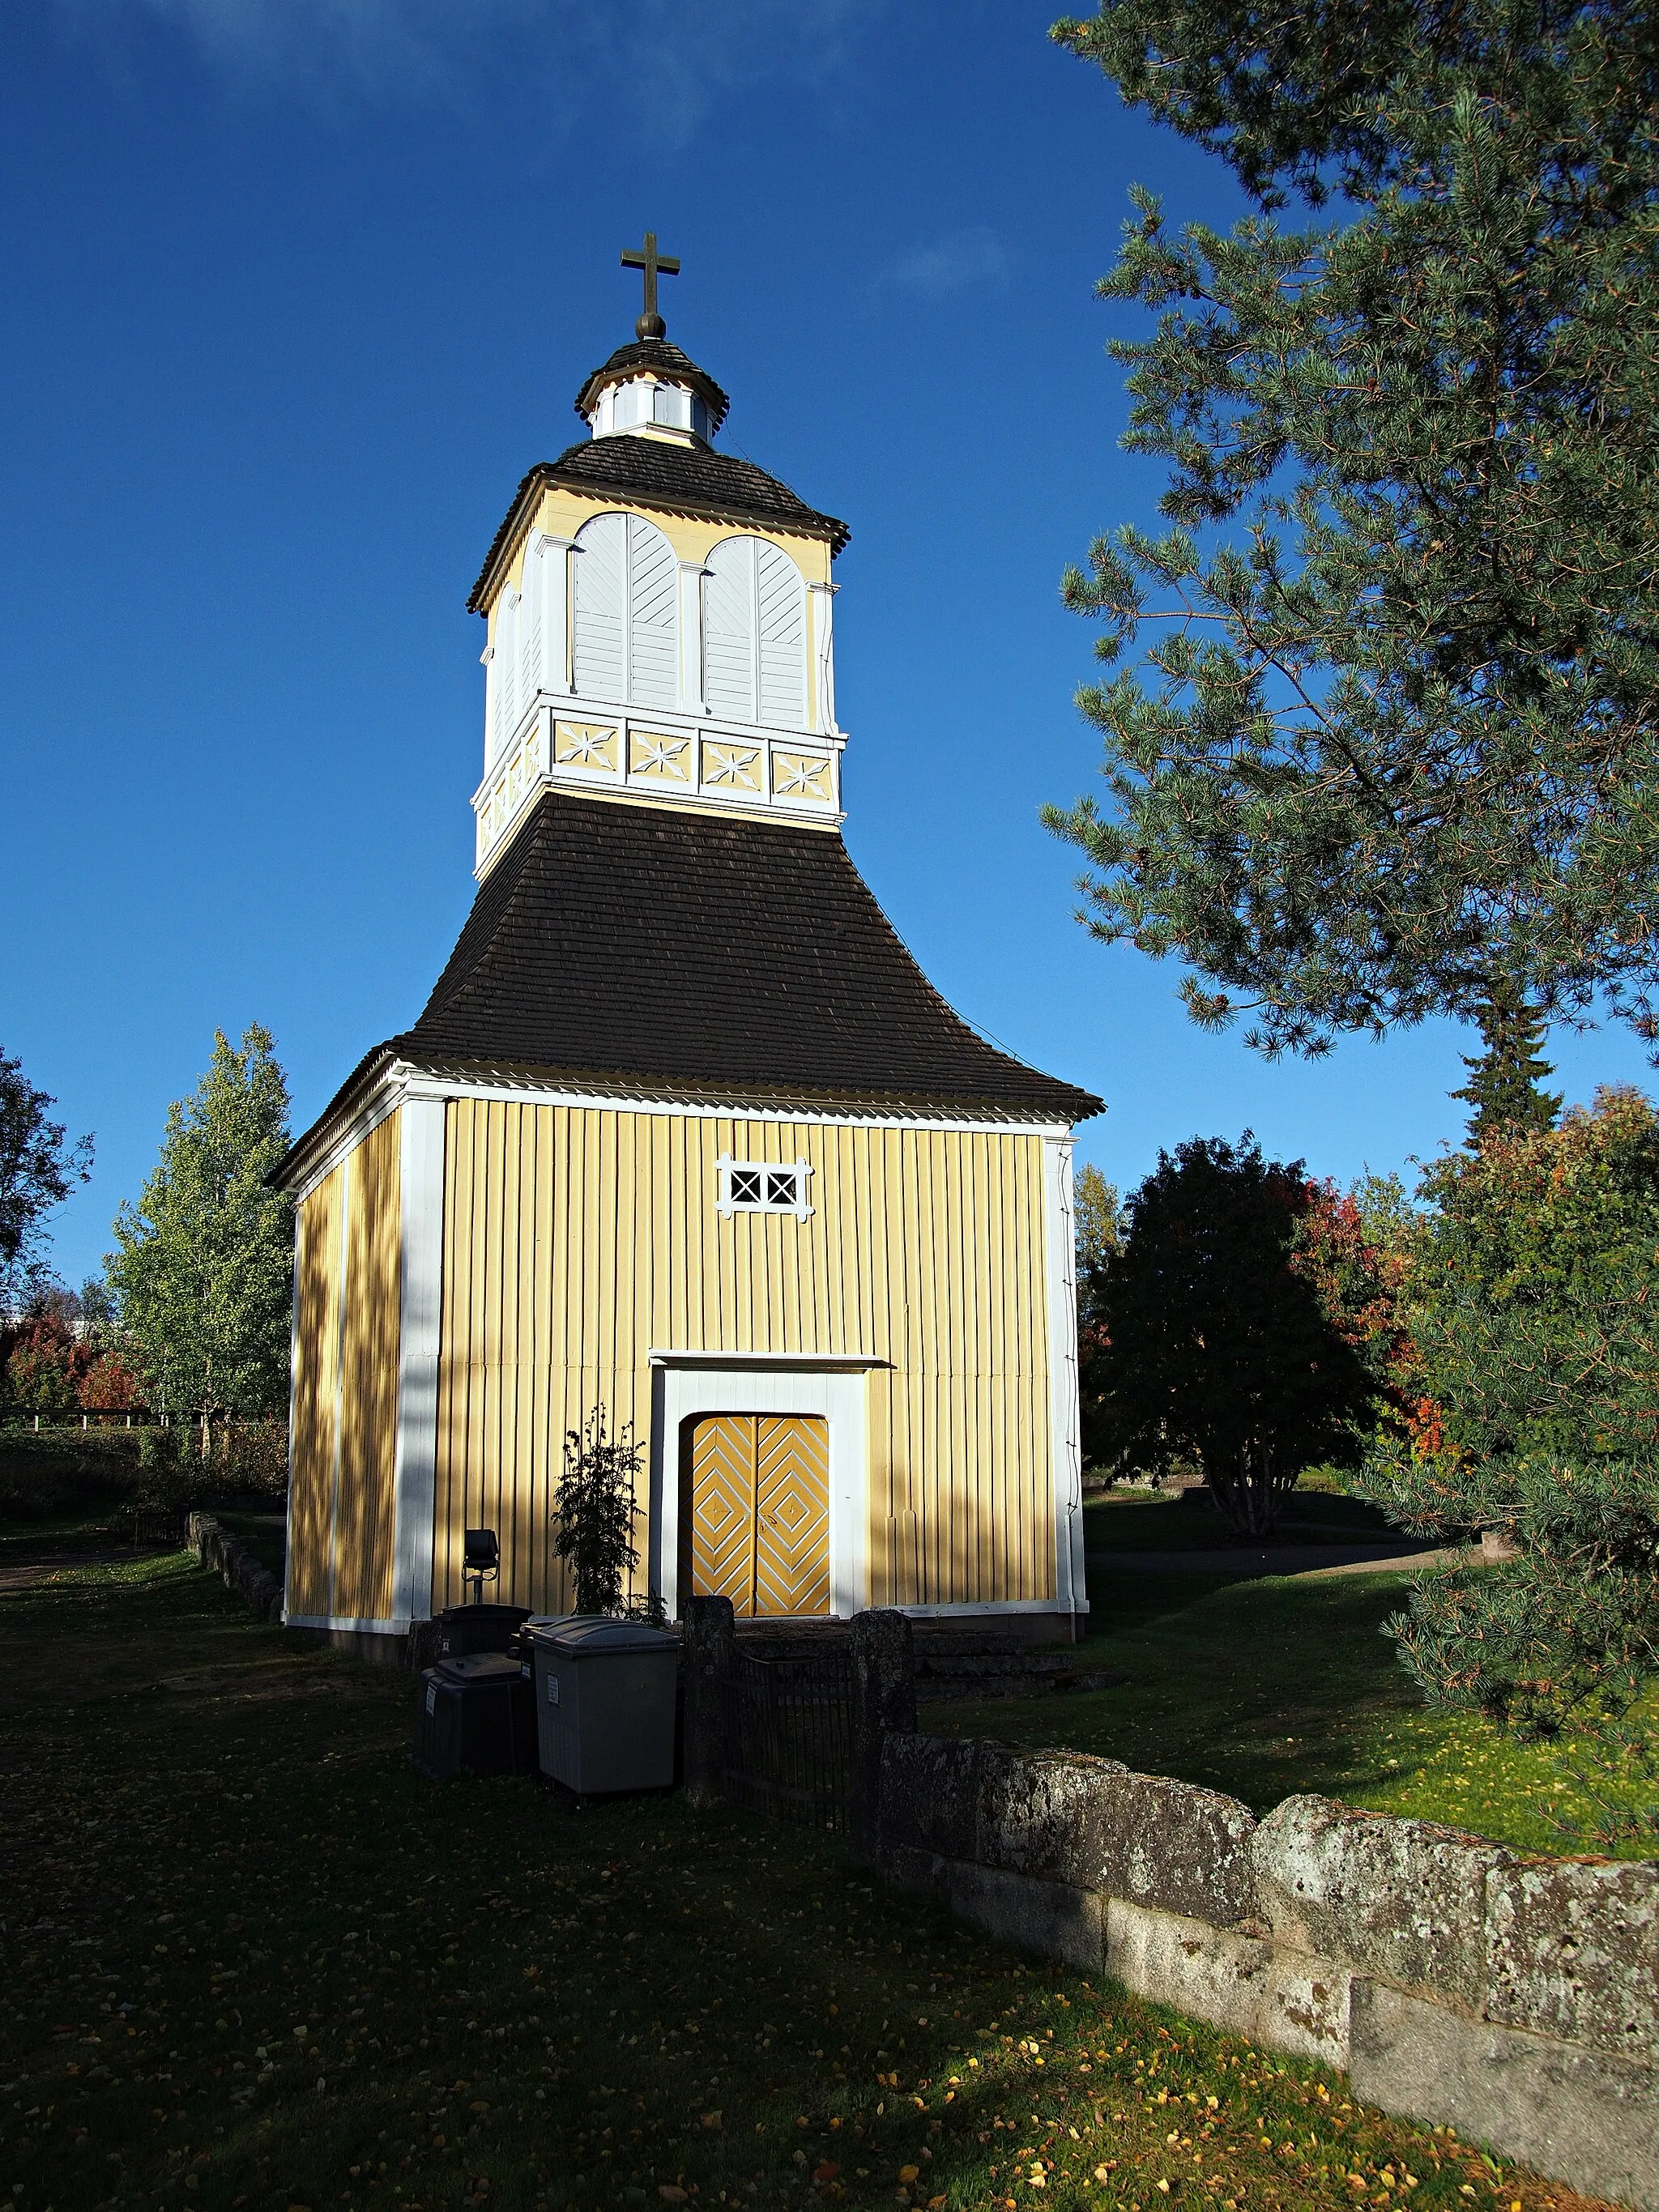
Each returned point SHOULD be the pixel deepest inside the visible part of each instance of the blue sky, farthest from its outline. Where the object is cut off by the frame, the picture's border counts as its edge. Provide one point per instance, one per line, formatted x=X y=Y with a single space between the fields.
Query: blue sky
x=298 y=289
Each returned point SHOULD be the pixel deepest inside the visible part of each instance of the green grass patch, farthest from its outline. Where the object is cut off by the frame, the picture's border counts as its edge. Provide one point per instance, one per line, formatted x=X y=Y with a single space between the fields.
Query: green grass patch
x=1263 y=1688
x=253 y=1960
x=1132 y=1522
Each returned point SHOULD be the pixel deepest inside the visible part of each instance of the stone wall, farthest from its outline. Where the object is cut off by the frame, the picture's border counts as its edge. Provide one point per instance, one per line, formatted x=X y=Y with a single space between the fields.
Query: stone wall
x=235 y=1566
x=1457 y=1983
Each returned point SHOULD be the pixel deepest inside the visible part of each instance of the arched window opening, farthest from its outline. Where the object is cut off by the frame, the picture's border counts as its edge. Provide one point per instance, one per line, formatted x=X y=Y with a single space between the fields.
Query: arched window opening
x=754 y=635
x=627 y=644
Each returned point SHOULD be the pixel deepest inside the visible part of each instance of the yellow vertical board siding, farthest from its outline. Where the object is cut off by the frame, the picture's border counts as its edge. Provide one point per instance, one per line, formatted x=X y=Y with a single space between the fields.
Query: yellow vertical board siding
x=316 y=1395
x=364 y=1507
x=577 y=1238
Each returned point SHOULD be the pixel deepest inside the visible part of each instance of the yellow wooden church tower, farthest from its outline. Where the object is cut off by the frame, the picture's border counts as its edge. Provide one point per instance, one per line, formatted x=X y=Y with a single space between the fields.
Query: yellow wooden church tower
x=683 y=1131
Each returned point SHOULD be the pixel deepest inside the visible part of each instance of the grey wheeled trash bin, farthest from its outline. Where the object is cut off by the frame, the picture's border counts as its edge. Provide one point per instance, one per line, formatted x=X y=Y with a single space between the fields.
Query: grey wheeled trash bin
x=604 y=1703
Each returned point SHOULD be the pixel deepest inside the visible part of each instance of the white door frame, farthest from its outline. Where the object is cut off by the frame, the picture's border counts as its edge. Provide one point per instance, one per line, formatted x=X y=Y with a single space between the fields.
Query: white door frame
x=687 y=1383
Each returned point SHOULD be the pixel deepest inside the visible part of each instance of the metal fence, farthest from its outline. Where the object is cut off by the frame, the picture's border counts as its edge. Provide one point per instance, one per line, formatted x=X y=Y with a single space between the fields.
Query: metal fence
x=788 y=1736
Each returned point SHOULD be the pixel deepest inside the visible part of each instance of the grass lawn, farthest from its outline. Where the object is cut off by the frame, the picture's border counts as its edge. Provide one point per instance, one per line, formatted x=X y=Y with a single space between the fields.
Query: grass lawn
x=1132 y=1522
x=253 y=1960
x=1265 y=1688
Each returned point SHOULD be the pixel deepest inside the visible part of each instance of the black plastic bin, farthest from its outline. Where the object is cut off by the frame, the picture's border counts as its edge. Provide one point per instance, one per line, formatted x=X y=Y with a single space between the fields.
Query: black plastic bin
x=477 y=1712
x=466 y=1628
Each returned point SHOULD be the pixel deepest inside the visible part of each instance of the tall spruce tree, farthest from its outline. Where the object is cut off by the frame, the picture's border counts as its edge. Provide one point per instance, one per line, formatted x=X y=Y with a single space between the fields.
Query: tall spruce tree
x=204 y=1269
x=1395 y=729
x=1506 y=1085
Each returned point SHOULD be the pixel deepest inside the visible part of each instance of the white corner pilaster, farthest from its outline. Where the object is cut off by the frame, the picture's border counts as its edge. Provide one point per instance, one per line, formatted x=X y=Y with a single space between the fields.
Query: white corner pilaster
x=347 y=1178
x=492 y=712
x=1065 y=1414
x=415 y=1471
x=823 y=656
x=692 y=693
x=553 y=565
x=293 y=1403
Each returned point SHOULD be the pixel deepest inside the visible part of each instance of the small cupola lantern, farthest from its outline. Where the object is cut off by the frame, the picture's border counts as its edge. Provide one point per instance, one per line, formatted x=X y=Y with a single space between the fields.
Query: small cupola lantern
x=650 y=387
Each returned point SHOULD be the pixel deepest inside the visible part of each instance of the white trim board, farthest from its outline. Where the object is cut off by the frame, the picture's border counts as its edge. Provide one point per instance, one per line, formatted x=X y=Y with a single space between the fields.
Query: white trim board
x=813 y=1362
x=1065 y=1417
x=402 y=1080
x=682 y=1387
x=393 y=1627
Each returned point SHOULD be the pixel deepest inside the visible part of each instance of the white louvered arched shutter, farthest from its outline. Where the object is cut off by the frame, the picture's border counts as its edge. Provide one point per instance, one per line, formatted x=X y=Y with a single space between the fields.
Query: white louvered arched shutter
x=511 y=625
x=654 y=617
x=729 y=630
x=532 y=625
x=781 y=638
x=601 y=641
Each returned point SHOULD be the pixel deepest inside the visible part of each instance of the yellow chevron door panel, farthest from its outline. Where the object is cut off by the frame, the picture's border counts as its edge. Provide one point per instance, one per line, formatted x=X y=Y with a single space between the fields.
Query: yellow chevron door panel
x=792 y=1514
x=723 y=1509
x=757 y=1504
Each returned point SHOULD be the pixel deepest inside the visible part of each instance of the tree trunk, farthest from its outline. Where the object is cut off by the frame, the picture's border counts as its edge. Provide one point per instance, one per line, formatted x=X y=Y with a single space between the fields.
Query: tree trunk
x=1248 y=1492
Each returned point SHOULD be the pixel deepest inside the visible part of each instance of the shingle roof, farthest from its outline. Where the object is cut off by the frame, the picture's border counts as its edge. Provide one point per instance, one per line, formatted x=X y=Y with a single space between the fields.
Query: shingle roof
x=650 y=945
x=668 y=360
x=690 y=479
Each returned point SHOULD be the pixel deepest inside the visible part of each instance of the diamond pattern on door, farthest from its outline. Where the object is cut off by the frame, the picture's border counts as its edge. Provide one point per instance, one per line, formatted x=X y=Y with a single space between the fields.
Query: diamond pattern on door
x=723 y=1509
x=792 y=1515
x=756 y=1510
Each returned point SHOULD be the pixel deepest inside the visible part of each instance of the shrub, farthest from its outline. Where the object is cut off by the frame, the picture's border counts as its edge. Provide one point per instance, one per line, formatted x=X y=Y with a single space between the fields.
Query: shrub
x=1533 y=1305
x=595 y=1513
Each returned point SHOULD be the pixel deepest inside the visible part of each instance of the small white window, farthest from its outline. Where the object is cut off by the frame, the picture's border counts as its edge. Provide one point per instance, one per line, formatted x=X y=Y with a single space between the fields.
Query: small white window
x=763 y=1186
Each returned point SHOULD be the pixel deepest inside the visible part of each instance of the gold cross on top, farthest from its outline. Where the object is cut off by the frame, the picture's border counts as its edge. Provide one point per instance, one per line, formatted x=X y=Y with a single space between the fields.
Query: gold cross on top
x=650 y=324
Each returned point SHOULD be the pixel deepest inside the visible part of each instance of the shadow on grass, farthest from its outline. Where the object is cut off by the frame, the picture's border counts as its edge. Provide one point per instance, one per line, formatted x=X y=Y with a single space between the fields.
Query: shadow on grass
x=255 y=1962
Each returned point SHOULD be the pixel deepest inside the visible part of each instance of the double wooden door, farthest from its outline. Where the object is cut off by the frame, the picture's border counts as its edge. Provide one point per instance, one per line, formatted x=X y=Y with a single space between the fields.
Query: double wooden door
x=755 y=1511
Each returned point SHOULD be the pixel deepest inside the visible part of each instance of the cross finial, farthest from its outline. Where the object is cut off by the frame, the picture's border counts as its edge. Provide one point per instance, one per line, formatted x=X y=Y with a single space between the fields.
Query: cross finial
x=650 y=324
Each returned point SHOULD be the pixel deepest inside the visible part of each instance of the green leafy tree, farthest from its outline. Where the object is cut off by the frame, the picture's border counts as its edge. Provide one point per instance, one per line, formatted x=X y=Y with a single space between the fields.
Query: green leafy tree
x=39 y=1168
x=203 y=1272
x=1533 y=1305
x=1394 y=731
x=1216 y=1349
x=1354 y=1248
x=595 y=1512
x=1506 y=1085
x=1098 y=1215
x=1098 y=1212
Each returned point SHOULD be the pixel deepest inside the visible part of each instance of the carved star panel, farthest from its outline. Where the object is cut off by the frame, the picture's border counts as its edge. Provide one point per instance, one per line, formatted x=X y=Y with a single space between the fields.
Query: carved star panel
x=800 y=775
x=663 y=759
x=585 y=744
x=732 y=766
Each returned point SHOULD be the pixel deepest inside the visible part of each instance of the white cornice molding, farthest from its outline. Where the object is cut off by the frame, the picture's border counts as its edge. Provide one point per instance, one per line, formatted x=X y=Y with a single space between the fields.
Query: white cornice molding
x=802 y=1362
x=329 y=1140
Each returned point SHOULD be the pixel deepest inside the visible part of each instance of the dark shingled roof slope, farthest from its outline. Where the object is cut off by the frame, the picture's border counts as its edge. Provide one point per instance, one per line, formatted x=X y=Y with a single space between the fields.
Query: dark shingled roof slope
x=651 y=946
x=691 y=479
x=667 y=361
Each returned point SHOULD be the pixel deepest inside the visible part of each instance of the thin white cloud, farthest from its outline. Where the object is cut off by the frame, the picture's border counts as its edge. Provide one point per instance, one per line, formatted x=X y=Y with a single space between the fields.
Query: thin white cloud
x=668 y=62
x=955 y=263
